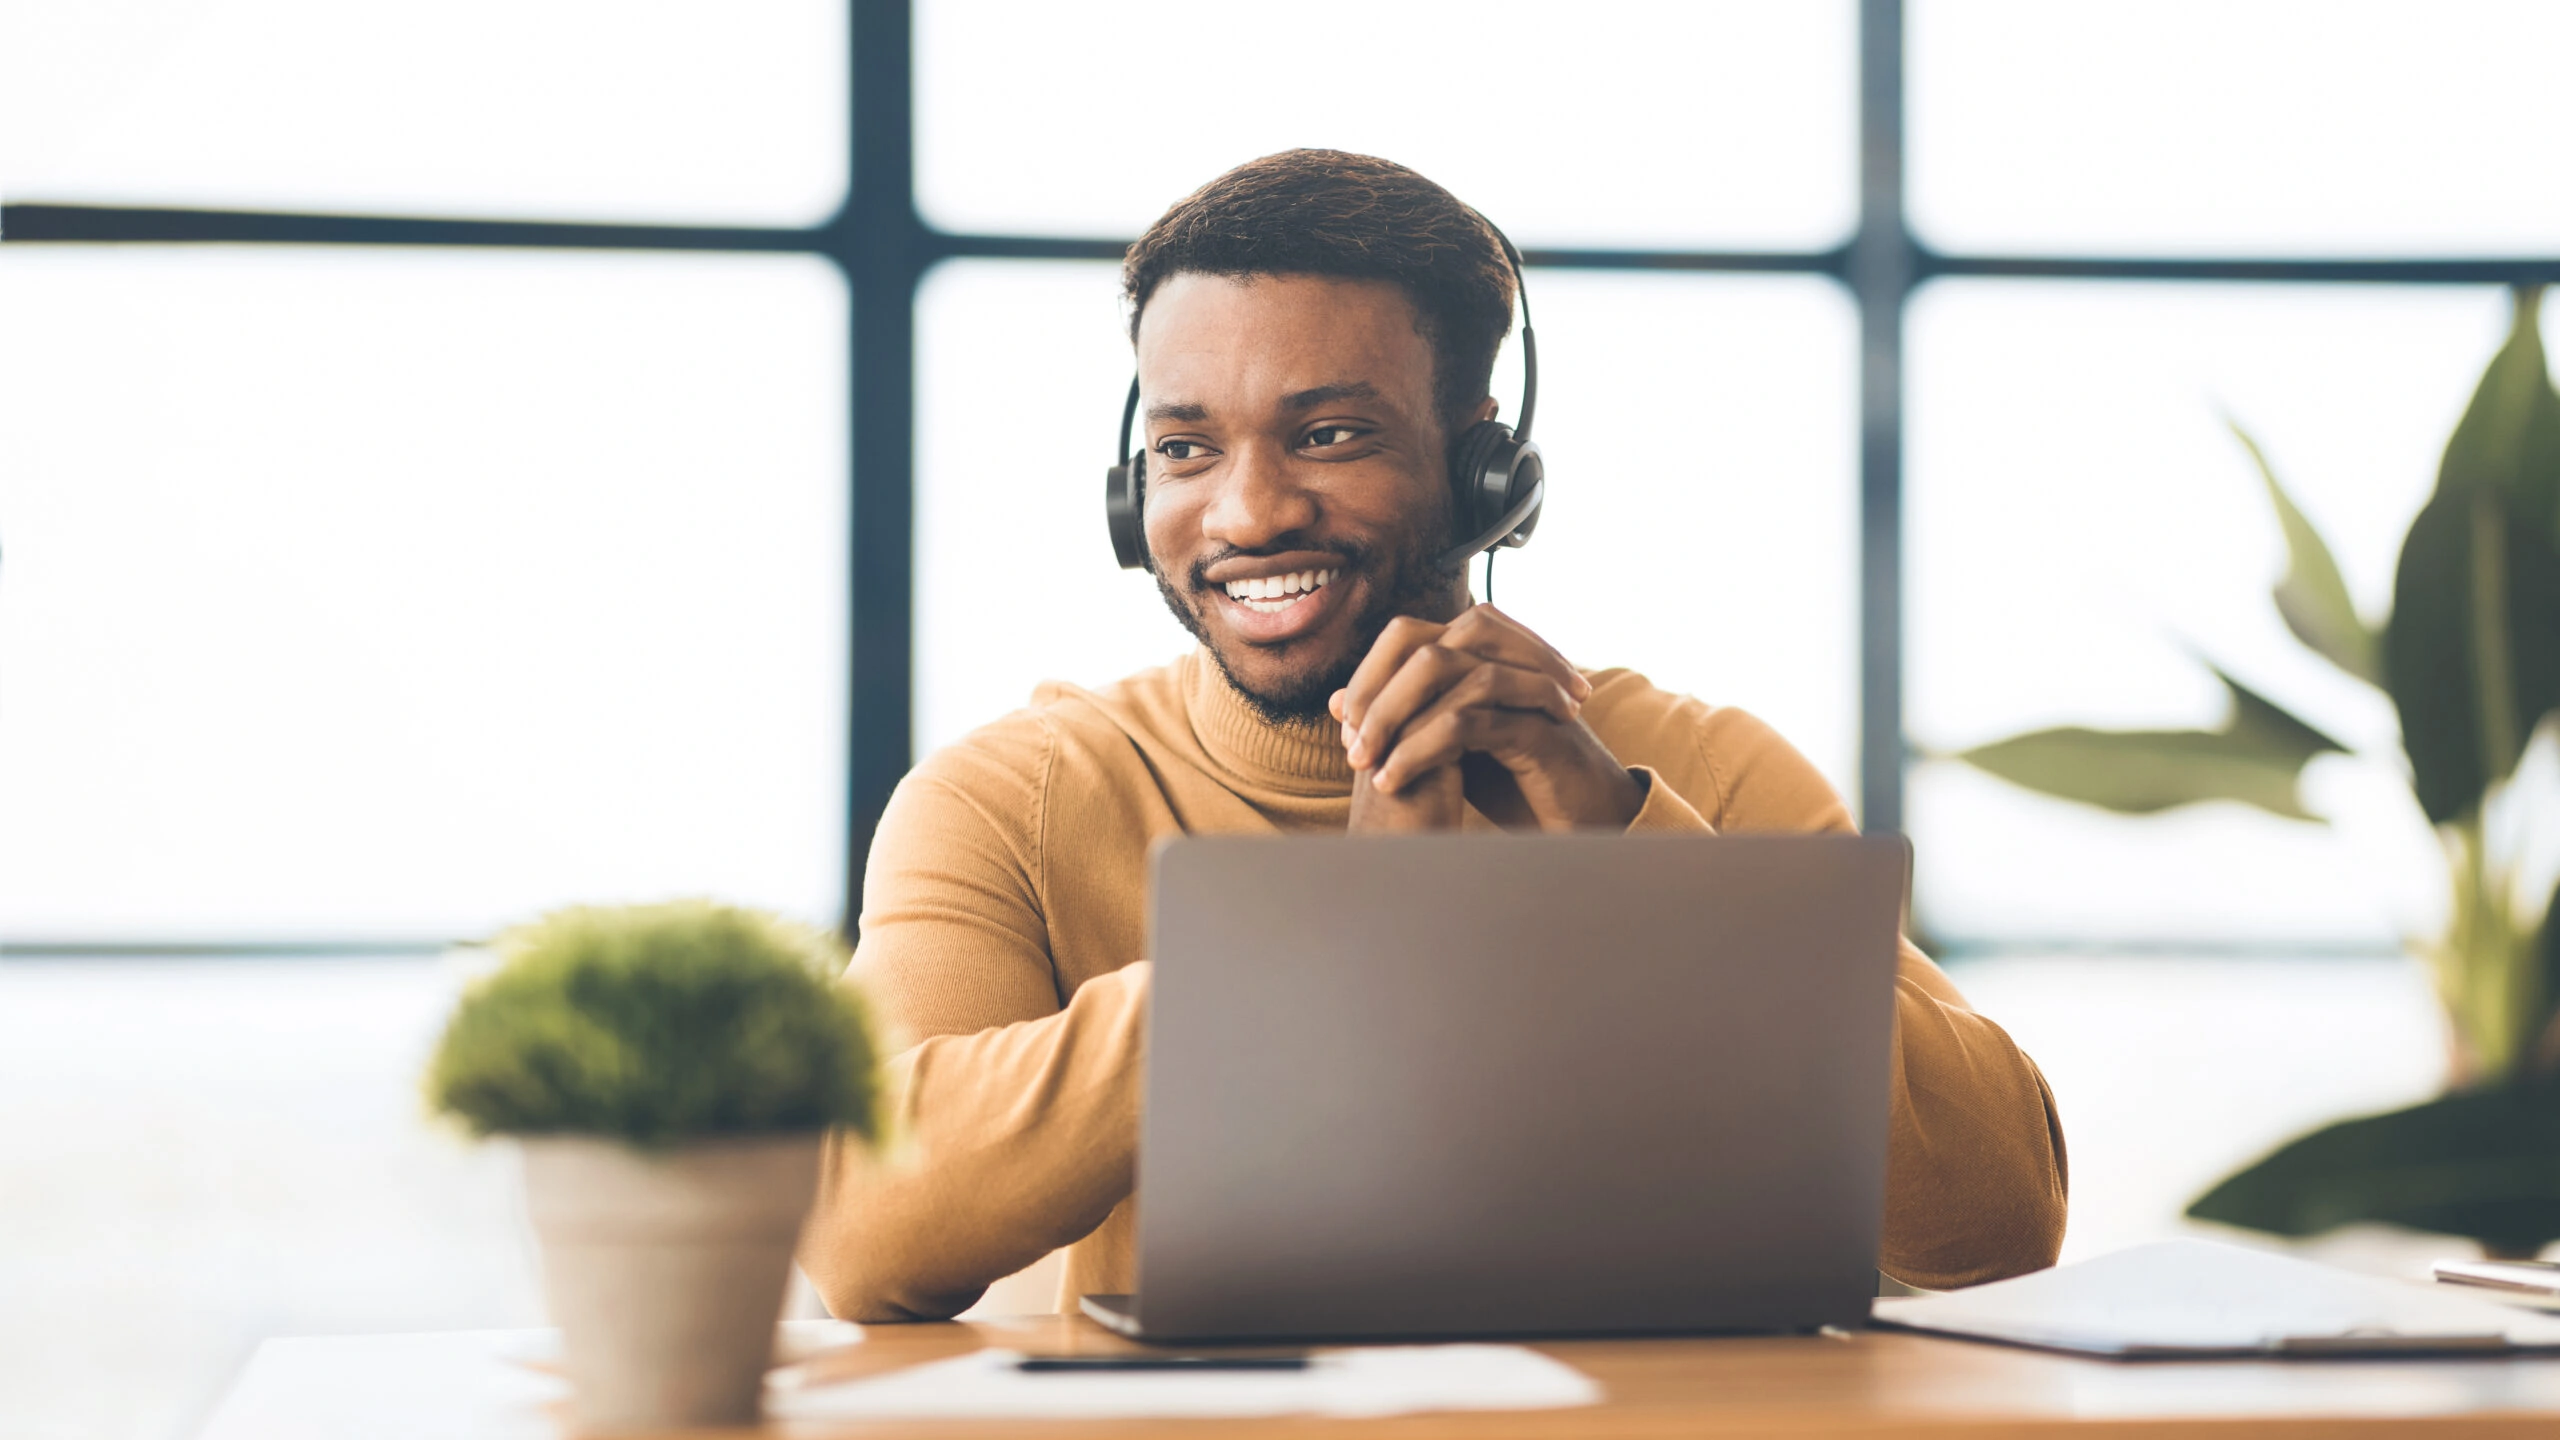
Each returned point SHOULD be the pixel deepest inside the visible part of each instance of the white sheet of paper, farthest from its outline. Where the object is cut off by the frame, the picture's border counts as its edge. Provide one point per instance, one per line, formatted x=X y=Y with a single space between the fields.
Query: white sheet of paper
x=2196 y=1297
x=392 y=1387
x=1388 y=1380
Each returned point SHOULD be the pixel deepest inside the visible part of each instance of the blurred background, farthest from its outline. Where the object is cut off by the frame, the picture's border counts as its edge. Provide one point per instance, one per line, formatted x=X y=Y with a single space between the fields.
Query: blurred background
x=460 y=459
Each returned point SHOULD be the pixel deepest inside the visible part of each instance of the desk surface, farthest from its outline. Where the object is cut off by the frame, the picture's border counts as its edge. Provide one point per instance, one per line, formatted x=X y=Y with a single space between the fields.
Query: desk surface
x=1870 y=1385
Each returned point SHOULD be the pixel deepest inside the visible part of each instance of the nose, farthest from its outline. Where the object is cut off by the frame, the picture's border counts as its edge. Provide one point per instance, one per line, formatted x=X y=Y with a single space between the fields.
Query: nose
x=1257 y=500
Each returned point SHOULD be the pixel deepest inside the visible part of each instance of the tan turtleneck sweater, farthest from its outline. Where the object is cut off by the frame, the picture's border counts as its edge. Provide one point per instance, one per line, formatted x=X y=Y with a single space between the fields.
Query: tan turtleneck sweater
x=1002 y=926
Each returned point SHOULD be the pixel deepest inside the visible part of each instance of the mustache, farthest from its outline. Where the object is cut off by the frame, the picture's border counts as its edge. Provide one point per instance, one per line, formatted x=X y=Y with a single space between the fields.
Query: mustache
x=1354 y=555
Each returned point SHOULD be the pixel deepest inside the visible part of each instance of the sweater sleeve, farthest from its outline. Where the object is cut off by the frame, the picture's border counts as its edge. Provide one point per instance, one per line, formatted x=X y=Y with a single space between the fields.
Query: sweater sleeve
x=1976 y=1176
x=1012 y=1109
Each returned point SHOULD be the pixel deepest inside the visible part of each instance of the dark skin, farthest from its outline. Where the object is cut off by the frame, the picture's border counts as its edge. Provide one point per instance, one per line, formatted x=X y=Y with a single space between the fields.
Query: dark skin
x=1290 y=431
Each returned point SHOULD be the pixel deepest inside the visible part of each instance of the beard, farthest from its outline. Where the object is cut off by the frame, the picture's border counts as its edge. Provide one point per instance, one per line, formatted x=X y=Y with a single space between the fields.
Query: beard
x=1410 y=582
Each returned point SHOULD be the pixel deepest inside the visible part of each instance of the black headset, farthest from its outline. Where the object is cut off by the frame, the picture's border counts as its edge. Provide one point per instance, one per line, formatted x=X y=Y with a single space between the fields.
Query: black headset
x=1500 y=483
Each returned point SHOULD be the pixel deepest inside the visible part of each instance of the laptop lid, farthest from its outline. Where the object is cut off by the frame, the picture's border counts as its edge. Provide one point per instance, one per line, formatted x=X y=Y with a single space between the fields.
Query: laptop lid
x=1510 y=1084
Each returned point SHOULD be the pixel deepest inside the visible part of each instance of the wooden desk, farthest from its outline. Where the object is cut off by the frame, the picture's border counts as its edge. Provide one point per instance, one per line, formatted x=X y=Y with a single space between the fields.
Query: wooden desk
x=1872 y=1385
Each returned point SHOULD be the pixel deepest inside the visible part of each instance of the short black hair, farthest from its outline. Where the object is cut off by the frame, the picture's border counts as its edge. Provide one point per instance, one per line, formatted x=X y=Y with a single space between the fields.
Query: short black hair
x=1355 y=217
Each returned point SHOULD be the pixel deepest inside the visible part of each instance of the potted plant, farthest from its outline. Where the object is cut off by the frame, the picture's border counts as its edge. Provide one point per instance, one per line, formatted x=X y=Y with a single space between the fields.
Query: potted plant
x=670 y=1071
x=2470 y=659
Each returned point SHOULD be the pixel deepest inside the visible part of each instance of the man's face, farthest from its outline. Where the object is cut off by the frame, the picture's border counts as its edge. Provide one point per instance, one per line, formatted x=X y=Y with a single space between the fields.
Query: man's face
x=1297 y=490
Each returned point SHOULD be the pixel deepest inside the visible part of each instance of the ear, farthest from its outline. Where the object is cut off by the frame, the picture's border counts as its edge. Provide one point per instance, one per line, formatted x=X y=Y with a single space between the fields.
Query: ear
x=1485 y=411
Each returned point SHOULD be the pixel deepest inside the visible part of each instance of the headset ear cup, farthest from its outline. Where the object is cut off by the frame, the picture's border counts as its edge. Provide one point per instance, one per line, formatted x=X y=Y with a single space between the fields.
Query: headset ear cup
x=1479 y=495
x=1525 y=472
x=1124 y=497
x=1125 y=506
x=1492 y=475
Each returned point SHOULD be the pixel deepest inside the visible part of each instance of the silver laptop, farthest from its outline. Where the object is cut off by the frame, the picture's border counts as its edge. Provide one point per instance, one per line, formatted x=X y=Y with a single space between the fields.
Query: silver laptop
x=1514 y=1085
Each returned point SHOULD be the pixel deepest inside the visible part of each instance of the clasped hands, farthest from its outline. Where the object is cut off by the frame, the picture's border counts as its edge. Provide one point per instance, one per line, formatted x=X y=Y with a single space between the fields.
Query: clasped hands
x=1478 y=711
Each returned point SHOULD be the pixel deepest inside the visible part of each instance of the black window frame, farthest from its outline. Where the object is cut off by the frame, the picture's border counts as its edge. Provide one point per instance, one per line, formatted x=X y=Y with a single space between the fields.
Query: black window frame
x=884 y=248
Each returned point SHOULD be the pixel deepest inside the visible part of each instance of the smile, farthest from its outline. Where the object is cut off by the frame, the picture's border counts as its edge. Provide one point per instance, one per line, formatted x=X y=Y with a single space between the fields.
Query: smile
x=1271 y=594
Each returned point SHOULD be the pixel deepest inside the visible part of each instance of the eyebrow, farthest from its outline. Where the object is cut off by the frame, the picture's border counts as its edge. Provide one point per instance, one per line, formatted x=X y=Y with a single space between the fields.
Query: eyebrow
x=1192 y=413
x=1328 y=394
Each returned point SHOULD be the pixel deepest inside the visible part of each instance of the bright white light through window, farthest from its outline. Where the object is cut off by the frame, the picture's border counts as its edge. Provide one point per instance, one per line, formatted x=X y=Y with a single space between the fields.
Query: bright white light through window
x=1614 y=122
x=404 y=593
x=2312 y=127
x=665 y=110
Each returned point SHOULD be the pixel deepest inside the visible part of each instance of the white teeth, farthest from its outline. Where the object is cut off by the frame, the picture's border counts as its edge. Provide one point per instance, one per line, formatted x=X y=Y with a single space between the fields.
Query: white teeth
x=1277 y=592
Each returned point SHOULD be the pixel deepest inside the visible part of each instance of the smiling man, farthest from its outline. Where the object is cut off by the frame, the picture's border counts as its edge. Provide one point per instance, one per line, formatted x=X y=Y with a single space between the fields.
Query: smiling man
x=1313 y=330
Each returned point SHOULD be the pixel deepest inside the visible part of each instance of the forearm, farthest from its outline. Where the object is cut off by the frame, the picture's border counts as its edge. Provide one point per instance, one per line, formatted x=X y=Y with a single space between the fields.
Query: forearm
x=1005 y=1145
x=1976 y=1174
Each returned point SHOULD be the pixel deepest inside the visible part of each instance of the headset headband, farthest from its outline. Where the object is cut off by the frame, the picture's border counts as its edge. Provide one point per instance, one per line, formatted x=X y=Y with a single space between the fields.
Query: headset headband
x=1528 y=334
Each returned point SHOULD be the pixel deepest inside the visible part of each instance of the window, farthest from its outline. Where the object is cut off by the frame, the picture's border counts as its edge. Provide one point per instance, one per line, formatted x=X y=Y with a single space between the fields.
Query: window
x=1722 y=270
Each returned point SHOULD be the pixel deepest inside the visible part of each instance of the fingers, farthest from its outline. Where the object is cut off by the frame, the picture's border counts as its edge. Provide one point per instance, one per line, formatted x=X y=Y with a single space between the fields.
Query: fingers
x=1495 y=792
x=1495 y=709
x=1435 y=674
x=1399 y=640
x=1482 y=631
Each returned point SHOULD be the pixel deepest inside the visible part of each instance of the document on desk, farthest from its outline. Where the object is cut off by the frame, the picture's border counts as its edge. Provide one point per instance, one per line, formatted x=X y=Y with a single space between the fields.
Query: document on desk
x=1384 y=1380
x=2193 y=1298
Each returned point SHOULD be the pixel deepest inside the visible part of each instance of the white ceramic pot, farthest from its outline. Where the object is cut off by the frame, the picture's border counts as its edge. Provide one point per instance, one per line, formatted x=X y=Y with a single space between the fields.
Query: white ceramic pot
x=665 y=1270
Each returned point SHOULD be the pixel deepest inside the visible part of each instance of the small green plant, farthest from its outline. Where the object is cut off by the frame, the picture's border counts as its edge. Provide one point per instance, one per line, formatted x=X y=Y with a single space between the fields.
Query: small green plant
x=2470 y=659
x=656 y=1024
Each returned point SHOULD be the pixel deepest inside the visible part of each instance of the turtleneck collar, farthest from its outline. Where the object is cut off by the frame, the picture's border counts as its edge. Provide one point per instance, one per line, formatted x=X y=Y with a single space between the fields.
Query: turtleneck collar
x=1300 y=757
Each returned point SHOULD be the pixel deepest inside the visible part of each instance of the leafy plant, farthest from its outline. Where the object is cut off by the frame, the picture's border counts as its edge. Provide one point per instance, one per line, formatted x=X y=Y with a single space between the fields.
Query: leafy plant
x=656 y=1024
x=2482 y=1162
x=2470 y=659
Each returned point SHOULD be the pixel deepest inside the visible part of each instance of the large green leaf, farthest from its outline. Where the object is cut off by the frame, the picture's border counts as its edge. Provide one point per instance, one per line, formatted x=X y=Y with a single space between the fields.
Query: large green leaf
x=2256 y=758
x=2313 y=596
x=2482 y=1163
x=2472 y=654
x=2509 y=437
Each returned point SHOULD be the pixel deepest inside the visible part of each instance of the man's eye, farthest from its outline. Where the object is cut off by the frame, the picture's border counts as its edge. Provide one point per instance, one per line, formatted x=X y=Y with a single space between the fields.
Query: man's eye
x=1181 y=449
x=1324 y=435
